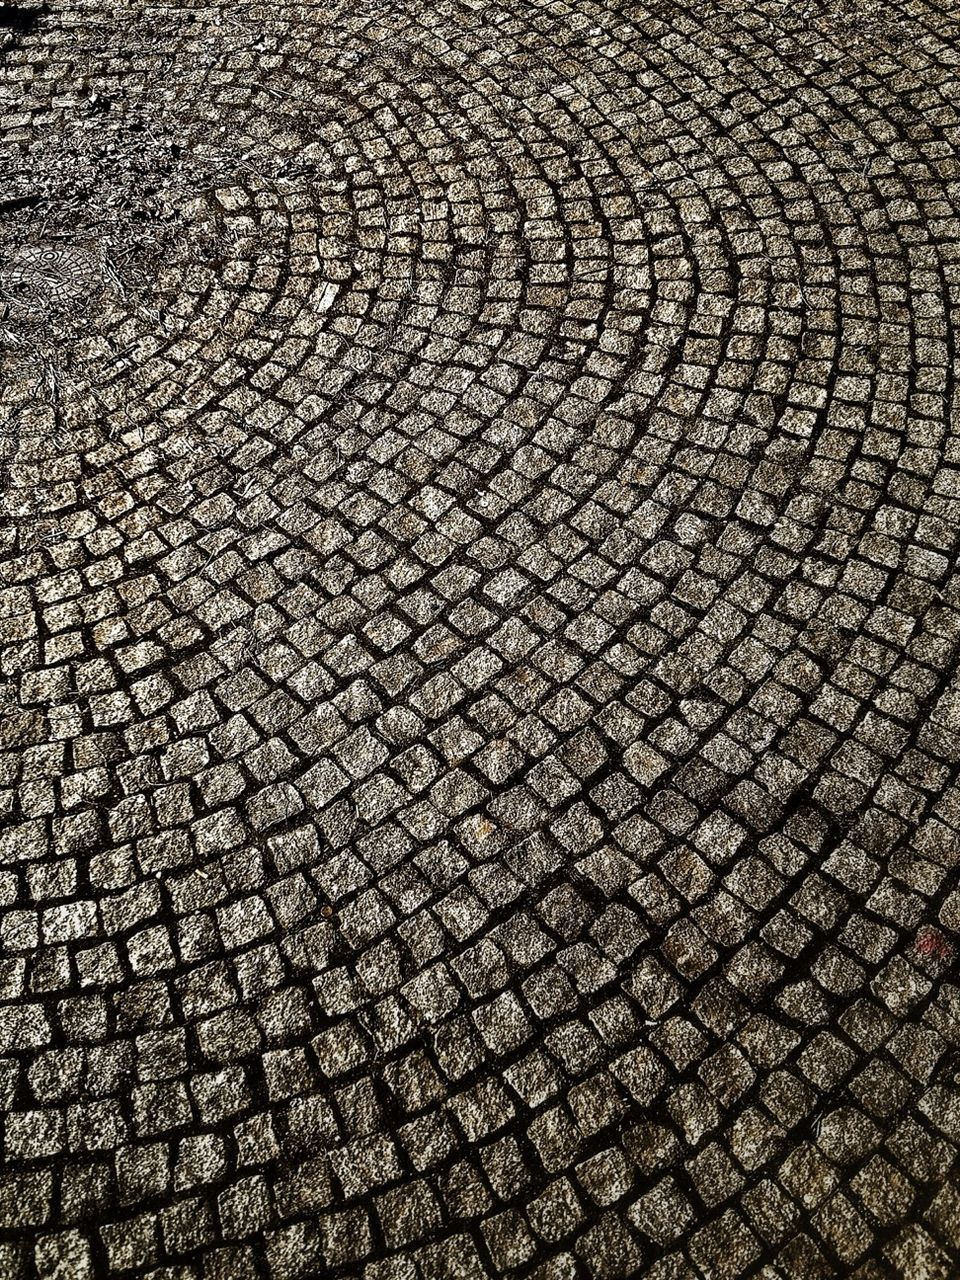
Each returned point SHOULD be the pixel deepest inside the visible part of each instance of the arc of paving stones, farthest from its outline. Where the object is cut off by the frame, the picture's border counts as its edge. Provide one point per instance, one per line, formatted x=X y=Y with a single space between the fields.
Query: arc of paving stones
x=479 y=626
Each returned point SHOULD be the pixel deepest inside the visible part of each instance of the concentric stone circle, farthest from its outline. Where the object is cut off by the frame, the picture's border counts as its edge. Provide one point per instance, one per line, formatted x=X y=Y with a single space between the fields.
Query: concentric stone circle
x=479 y=632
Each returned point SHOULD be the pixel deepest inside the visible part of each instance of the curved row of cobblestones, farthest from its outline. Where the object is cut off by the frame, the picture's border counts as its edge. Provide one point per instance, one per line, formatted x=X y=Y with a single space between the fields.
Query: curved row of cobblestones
x=479 y=629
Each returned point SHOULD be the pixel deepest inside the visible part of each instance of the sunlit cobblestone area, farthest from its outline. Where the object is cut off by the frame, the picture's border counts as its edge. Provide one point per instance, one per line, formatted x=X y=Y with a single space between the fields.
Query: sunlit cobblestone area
x=479 y=632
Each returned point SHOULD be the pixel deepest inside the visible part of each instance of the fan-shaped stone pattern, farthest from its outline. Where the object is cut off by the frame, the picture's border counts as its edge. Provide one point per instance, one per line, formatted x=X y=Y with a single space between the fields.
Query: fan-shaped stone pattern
x=479 y=631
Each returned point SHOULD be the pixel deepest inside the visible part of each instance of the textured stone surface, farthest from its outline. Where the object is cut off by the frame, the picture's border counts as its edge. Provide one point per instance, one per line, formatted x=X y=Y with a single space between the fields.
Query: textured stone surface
x=479 y=630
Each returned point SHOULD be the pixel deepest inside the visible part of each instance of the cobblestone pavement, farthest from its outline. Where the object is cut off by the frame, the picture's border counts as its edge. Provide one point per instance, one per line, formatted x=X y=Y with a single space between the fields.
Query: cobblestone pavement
x=479 y=629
